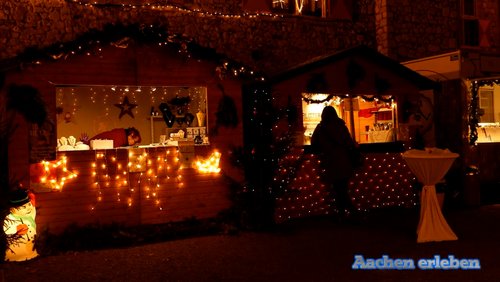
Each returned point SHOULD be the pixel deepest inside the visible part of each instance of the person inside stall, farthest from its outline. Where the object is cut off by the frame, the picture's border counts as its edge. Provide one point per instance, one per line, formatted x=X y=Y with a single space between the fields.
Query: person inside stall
x=121 y=137
x=332 y=142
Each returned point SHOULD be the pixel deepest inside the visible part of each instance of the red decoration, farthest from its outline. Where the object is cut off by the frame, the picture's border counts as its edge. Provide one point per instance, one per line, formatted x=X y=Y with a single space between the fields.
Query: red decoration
x=126 y=108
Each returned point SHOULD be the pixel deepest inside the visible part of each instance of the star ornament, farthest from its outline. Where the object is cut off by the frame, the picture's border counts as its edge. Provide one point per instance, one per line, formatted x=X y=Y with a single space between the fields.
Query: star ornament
x=126 y=108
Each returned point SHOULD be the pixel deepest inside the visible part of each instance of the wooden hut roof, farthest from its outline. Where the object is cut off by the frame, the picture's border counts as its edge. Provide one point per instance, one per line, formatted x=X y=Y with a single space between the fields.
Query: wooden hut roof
x=376 y=63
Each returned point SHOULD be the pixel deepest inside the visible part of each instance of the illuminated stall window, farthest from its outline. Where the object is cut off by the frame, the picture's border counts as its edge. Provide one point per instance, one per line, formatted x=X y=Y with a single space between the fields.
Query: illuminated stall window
x=160 y=113
x=369 y=119
x=488 y=113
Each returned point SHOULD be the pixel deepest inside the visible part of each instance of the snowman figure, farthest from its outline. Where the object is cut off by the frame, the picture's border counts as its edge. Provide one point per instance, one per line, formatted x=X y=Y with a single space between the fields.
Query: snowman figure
x=20 y=227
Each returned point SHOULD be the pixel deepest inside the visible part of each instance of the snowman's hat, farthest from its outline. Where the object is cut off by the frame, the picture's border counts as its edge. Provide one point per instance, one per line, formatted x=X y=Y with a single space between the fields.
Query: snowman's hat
x=19 y=197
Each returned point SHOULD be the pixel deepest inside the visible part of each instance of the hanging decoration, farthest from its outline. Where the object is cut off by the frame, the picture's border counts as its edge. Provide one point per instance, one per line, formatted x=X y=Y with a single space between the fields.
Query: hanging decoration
x=306 y=97
x=221 y=71
x=126 y=108
x=168 y=116
x=122 y=43
x=180 y=101
x=383 y=98
x=67 y=117
x=317 y=101
x=188 y=118
x=181 y=105
x=143 y=171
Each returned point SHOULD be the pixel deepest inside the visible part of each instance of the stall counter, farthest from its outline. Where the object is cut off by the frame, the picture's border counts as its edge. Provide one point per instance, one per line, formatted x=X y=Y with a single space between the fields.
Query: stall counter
x=130 y=186
x=384 y=180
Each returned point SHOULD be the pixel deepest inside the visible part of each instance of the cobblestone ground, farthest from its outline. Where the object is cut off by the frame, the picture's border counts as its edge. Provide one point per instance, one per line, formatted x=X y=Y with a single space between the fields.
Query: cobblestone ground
x=315 y=249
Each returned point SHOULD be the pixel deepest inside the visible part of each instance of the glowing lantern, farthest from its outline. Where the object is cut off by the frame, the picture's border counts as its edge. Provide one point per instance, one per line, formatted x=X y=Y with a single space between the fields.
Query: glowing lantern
x=20 y=227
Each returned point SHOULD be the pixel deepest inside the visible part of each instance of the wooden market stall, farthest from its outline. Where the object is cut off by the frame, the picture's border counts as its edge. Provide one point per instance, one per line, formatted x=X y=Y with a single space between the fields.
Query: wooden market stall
x=175 y=173
x=386 y=106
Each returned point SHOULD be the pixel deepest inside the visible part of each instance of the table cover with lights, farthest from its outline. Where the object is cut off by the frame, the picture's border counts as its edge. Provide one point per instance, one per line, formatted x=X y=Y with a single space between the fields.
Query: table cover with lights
x=430 y=166
x=384 y=181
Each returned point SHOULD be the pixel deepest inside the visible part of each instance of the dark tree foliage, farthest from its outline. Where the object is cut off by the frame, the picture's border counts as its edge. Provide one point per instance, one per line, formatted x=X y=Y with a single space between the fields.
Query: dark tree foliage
x=15 y=99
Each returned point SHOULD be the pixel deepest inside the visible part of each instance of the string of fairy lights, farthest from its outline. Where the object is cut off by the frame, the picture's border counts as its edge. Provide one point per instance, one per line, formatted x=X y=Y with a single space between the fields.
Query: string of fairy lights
x=155 y=5
x=104 y=97
x=308 y=98
x=161 y=5
x=55 y=173
x=125 y=173
x=148 y=171
x=384 y=181
x=68 y=102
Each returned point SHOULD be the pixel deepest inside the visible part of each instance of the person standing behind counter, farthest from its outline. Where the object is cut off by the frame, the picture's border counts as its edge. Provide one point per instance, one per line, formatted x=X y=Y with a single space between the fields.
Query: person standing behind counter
x=121 y=136
x=332 y=141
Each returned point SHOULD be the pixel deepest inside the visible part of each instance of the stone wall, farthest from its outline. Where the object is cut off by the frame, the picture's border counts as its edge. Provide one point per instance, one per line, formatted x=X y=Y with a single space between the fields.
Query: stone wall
x=268 y=43
x=421 y=28
x=401 y=29
x=414 y=29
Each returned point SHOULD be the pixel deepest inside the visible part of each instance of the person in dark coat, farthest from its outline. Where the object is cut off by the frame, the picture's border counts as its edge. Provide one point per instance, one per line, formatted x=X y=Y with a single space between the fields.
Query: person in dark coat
x=332 y=141
x=121 y=136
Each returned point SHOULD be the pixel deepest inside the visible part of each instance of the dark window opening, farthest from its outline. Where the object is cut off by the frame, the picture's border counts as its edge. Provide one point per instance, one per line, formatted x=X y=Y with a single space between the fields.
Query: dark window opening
x=471 y=33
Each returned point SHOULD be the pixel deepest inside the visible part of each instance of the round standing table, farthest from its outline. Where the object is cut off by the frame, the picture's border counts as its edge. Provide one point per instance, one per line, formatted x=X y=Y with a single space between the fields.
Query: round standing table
x=430 y=166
